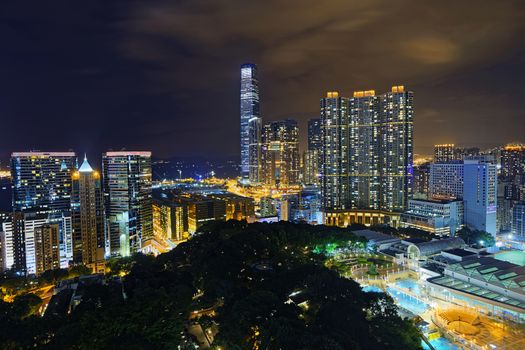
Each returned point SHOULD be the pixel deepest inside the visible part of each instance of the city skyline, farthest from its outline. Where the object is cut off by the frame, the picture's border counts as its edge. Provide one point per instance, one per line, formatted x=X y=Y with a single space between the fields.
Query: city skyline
x=139 y=70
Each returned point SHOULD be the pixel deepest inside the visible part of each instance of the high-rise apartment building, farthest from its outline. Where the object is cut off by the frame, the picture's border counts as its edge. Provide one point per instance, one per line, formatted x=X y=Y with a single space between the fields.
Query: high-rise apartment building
x=251 y=124
x=315 y=140
x=280 y=154
x=397 y=148
x=128 y=200
x=365 y=150
x=446 y=180
x=420 y=185
x=87 y=207
x=512 y=162
x=444 y=153
x=311 y=164
x=313 y=155
x=367 y=156
x=335 y=191
x=47 y=248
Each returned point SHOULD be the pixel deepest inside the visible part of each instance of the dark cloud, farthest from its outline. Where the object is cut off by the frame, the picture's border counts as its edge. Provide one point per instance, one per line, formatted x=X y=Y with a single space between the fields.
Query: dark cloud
x=163 y=75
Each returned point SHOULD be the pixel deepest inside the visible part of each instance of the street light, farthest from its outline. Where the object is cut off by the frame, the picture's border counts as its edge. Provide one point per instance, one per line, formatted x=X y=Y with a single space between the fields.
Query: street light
x=481 y=242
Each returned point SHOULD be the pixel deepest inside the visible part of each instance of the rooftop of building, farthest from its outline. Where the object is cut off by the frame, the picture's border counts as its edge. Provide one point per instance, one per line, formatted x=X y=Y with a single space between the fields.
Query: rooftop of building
x=460 y=252
x=374 y=236
x=127 y=153
x=43 y=154
x=436 y=200
x=488 y=271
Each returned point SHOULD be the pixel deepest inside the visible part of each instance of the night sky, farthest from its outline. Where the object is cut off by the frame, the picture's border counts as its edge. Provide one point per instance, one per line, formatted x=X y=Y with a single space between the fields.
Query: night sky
x=163 y=75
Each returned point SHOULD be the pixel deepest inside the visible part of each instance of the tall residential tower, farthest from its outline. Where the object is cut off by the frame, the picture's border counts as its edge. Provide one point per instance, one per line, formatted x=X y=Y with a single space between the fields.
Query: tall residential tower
x=335 y=154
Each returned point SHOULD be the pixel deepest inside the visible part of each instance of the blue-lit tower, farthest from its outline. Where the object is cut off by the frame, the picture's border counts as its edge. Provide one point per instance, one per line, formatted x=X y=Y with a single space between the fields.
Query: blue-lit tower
x=250 y=124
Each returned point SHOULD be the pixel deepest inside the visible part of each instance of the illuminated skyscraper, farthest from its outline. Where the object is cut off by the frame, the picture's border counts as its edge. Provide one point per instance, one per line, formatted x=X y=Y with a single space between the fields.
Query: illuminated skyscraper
x=42 y=180
x=20 y=240
x=480 y=195
x=444 y=153
x=315 y=140
x=367 y=155
x=280 y=153
x=312 y=156
x=42 y=183
x=128 y=201
x=397 y=148
x=365 y=150
x=513 y=162
x=474 y=181
x=87 y=208
x=250 y=123
x=335 y=192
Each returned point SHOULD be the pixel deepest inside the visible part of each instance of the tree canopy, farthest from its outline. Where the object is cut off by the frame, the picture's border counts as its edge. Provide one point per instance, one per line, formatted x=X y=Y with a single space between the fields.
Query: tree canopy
x=262 y=285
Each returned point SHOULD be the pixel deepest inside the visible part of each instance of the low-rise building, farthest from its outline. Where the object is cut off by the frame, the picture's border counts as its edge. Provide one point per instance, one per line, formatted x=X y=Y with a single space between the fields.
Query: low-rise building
x=440 y=217
x=491 y=286
x=377 y=240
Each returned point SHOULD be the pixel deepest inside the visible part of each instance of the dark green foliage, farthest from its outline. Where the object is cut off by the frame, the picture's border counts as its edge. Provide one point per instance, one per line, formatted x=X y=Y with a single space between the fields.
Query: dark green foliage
x=476 y=236
x=246 y=274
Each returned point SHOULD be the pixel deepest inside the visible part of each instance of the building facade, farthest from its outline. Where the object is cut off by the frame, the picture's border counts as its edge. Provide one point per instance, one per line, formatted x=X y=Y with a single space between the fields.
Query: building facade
x=512 y=161
x=446 y=180
x=421 y=183
x=441 y=217
x=365 y=150
x=88 y=217
x=518 y=221
x=397 y=148
x=475 y=182
x=280 y=154
x=47 y=248
x=128 y=200
x=480 y=196
x=169 y=221
x=444 y=153
x=312 y=155
x=251 y=123
x=335 y=189
x=42 y=180
x=367 y=154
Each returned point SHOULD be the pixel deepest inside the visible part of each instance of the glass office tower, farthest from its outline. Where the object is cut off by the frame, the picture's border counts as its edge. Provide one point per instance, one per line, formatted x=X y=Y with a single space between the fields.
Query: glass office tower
x=41 y=183
x=250 y=123
x=128 y=200
x=42 y=180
